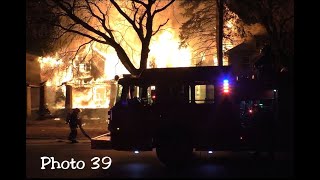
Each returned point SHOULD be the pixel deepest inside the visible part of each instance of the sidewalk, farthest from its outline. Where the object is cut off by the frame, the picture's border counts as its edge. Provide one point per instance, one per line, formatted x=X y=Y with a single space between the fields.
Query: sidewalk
x=55 y=129
x=53 y=141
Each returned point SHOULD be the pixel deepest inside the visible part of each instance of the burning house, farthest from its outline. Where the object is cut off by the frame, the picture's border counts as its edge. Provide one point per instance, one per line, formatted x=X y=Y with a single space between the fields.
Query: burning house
x=86 y=80
x=77 y=83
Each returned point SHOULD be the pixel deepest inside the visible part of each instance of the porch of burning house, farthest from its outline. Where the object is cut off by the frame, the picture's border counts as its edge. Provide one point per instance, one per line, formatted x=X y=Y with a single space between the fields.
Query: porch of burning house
x=45 y=102
x=55 y=97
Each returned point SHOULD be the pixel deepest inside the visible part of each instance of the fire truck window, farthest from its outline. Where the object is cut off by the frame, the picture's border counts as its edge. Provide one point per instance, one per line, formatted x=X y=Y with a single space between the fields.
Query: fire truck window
x=204 y=94
x=180 y=93
x=151 y=94
x=210 y=94
x=134 y=92
x=137 y=92
x=119 y=91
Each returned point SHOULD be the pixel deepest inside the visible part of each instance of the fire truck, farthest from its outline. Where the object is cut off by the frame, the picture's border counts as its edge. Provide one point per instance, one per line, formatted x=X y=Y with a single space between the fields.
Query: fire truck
x=177 y=111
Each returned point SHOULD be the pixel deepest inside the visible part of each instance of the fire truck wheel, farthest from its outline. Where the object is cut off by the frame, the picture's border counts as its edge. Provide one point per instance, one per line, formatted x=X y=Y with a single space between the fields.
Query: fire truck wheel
x=175 y=156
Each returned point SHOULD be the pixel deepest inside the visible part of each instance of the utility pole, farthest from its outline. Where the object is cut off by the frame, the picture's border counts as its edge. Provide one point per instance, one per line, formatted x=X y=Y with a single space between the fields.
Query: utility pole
x=219 y=31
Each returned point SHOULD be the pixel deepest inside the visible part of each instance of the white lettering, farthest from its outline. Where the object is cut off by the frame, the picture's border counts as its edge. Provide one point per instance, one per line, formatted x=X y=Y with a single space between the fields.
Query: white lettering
x=72 y=162
x=57 y=162
x=64 y=164
x=105 y=161
x=42 y=161
x=78 y=164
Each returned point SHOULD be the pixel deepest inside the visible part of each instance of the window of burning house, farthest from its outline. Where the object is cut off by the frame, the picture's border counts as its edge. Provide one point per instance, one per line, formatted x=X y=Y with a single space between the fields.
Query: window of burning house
x=88 y=96
x=99 y=95
x=203 y=94
x=82 y=67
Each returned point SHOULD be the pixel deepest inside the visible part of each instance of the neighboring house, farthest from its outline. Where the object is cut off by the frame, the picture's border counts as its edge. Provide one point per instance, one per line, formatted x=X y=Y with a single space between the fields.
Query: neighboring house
x=33 y=78
x=243 y=56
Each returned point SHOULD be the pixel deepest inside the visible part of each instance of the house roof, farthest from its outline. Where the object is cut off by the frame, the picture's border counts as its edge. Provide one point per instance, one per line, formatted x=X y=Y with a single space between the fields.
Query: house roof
x=242 y=49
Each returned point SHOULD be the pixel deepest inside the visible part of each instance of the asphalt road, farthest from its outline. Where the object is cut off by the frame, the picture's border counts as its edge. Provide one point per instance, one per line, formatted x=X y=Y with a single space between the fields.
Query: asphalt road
x=146 y=165
x=57 y=129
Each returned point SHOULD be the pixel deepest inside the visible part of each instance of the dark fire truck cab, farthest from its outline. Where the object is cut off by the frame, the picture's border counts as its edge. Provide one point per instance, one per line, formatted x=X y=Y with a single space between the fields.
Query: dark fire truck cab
x=181 y=110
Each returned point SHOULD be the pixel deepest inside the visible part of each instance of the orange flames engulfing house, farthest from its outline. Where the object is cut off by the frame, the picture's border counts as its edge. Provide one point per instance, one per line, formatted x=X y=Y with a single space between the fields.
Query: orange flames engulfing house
x=92 y=77
x=90 y=92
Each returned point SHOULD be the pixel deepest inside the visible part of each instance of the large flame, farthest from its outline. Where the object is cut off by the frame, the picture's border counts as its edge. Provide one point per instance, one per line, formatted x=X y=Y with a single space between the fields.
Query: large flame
x=89 y=92
x=165 y=52
x=54 y=70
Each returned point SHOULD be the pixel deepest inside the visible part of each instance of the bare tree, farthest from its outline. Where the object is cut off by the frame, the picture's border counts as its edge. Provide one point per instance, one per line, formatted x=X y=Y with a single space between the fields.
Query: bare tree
x=199 y=30
x=104 y=21
x=38 y=32
x=277 y=16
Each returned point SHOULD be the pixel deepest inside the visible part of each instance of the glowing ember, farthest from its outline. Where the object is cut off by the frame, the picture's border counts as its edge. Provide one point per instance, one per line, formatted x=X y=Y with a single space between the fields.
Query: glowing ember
x=229 y=24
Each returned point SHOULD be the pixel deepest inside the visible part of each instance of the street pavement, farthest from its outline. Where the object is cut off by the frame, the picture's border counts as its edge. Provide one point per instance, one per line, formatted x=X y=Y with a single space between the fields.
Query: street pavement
x=49 y=138
x=55 y=129
x=126 y=164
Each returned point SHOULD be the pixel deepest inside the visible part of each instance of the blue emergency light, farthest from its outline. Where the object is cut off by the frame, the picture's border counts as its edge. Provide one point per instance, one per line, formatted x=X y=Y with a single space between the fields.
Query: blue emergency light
x=226 y=86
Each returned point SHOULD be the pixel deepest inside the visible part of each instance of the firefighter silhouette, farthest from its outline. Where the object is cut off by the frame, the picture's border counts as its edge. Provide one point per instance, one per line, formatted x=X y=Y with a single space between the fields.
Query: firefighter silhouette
x=74 y=122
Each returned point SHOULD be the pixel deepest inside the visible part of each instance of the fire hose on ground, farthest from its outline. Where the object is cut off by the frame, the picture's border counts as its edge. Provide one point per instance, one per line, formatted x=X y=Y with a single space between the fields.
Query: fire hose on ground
x=84 y=132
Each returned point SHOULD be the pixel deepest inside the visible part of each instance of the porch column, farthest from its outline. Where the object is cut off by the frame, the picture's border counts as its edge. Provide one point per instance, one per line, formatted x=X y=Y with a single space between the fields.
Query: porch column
x=68 y=102
x=43 y=109
x=28 y=113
